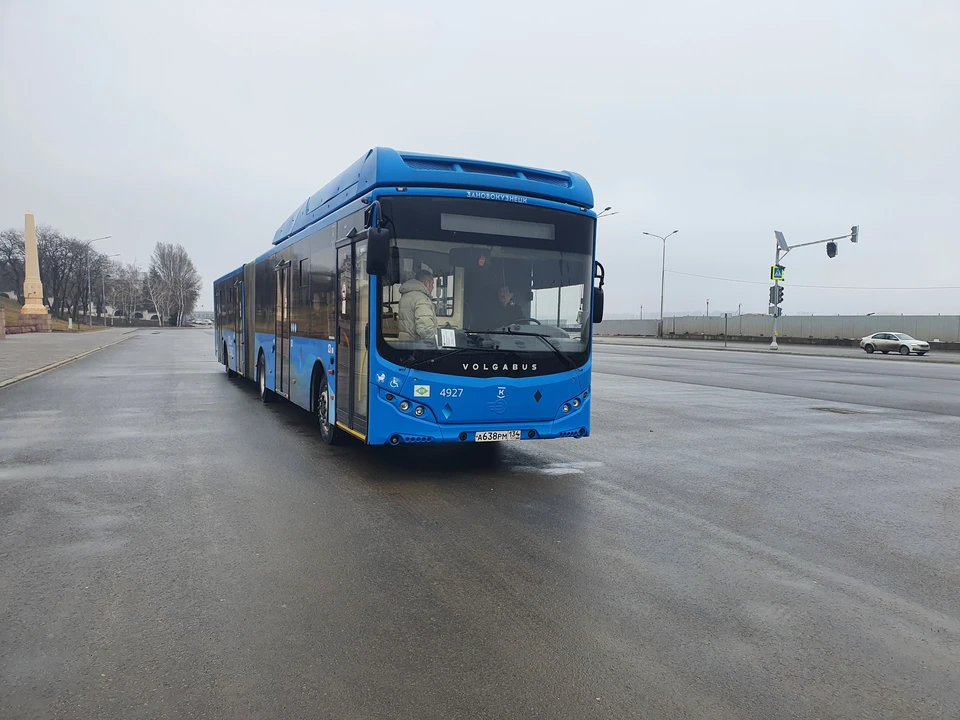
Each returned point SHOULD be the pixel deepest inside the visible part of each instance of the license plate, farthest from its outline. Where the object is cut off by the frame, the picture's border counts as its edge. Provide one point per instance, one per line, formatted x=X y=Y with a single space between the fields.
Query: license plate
x=497 y=435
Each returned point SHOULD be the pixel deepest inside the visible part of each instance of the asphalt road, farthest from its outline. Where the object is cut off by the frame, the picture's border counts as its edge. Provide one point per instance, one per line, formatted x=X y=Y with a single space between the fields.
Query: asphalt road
x=743 y=537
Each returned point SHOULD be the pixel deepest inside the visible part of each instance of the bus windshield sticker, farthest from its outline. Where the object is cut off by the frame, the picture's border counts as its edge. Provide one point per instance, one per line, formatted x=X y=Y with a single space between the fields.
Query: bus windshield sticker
x=421 y=390
x=448 y=337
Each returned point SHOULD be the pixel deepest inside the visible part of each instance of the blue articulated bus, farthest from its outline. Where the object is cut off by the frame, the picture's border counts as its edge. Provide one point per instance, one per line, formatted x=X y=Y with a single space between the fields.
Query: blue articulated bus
x=425 y=299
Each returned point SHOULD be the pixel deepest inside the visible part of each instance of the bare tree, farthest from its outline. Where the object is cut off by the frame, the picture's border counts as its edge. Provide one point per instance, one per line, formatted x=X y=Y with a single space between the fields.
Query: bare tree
x=64 y=265
x=173 y=282
x=126 y=289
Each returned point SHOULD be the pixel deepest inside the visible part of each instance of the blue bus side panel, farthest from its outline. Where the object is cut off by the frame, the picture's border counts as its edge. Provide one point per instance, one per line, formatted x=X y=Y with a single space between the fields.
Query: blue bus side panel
x=305 y=354
x=229 y=338
x=266 y=344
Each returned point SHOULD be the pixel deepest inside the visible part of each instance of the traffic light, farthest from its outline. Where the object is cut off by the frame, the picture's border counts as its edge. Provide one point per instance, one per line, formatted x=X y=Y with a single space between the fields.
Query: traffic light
x=779 y=294
x=832 y=249
x=773 y=294
x=854 y=233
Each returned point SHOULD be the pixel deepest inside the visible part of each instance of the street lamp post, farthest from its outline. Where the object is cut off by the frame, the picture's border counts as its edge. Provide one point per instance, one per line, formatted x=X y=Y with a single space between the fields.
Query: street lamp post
x=663 y=270
x=89 y=292
x=708 y=309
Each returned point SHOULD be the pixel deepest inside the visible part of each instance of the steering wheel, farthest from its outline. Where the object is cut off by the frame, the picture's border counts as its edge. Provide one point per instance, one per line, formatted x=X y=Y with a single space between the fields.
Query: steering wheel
x=526 y=321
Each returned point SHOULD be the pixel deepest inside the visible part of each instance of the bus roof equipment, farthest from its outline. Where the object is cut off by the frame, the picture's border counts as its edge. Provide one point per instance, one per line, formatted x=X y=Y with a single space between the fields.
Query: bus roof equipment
x=385 y=167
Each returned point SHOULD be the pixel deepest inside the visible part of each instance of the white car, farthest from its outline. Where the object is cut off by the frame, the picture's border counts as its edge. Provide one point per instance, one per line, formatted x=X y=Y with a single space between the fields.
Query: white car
x=901 y=342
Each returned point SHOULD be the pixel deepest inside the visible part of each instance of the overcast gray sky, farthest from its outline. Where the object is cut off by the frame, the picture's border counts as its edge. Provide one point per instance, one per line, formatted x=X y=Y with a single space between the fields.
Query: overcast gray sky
x=207 y=123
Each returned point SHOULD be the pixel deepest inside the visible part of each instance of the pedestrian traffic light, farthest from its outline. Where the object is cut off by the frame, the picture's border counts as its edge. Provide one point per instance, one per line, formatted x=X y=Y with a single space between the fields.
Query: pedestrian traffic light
x=831 y=249
x=779 y=294
x=854 y=233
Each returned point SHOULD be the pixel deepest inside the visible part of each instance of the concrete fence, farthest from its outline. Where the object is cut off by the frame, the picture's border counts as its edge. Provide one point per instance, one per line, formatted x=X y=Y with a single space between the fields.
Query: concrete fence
x=636 y=328
x=945 y=328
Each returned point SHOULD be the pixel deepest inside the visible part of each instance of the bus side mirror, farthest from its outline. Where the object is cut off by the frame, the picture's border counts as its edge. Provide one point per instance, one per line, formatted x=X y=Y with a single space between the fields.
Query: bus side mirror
x=378 y=251
x=598 y=304
x=599 y=274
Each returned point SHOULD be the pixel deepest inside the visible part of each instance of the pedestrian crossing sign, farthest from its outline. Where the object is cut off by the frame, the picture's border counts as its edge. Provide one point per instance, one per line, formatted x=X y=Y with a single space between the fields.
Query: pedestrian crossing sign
x=776 y=272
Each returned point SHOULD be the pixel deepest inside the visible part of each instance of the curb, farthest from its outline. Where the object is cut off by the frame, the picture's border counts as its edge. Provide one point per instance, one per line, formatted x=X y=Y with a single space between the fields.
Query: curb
x=61 y=363
x=759 y=351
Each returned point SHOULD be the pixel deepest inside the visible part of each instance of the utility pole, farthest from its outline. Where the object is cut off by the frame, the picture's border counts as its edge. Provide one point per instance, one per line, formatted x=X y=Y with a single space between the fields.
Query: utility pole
x=89 y=312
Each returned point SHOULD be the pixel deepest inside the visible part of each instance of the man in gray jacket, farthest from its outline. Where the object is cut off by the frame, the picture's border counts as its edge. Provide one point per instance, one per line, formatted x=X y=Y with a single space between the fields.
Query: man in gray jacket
x=418 y=316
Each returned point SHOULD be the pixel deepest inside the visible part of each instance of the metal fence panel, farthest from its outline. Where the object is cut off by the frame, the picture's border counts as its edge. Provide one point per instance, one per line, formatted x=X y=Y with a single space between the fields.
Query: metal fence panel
x=945 y=328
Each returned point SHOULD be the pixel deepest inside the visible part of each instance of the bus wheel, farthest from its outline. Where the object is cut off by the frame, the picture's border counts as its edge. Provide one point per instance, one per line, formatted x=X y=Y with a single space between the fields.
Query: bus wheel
x=330 y=434
x=226 y=363
x=265 y=394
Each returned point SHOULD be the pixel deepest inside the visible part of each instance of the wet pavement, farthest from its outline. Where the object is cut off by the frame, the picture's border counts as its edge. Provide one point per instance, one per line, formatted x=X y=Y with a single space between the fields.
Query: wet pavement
x=742 y=537
x=28 y=352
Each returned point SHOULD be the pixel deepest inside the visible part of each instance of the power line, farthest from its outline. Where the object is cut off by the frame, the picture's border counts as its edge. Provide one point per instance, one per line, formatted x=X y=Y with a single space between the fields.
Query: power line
x=821 y=287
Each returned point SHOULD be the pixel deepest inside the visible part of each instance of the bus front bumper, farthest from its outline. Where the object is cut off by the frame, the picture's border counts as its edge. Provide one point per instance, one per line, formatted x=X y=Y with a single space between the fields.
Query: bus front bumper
x=393 y=427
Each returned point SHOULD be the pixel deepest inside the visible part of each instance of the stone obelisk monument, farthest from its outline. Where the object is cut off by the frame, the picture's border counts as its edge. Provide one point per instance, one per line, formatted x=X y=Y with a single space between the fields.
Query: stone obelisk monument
x=34 y=312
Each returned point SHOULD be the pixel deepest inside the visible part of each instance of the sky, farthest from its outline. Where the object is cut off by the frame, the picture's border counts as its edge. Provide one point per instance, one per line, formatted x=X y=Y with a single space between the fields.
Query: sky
x=208 y=123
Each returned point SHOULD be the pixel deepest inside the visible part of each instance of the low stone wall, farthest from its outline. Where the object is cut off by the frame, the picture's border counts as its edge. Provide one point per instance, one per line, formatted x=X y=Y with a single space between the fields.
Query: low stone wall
x=30 y=323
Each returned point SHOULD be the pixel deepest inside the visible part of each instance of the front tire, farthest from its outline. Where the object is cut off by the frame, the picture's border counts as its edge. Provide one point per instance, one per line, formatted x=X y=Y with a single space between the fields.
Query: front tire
x=266 y=395
x=869 y=348
x=330 y=433
x=904 y=350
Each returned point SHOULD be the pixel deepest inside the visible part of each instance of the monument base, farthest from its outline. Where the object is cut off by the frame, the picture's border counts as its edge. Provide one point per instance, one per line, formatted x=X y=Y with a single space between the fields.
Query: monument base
x=31 y=323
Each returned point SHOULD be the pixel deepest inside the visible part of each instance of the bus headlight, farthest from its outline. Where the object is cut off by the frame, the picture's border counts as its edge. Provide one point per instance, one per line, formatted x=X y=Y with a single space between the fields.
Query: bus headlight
x=566 y=407
x=404 y=405
x=576 y=402
x=419 y=411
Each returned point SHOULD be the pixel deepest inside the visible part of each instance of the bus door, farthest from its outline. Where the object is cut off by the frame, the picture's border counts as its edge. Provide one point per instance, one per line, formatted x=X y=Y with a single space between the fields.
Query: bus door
x=353 y=338
x=239 y=351
x=283 y=329
x=217 y=323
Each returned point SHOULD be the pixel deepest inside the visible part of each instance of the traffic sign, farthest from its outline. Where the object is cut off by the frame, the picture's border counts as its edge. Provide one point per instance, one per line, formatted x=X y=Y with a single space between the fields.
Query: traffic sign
x=776 y=272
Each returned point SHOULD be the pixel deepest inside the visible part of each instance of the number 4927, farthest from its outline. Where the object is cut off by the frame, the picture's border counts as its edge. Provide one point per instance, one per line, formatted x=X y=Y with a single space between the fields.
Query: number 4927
x=451 y=392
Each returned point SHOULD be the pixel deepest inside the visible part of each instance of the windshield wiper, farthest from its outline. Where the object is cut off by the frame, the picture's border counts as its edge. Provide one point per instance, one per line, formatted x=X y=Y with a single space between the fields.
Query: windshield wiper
x=569 y=363
x=452 y=352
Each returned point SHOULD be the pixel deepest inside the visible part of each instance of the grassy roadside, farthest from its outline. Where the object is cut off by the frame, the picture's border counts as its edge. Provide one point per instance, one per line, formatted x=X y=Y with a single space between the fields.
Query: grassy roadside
x=12 y=308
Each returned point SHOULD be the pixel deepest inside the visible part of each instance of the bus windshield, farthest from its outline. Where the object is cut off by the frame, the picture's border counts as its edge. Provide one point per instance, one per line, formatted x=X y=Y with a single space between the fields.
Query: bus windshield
x=470 y=277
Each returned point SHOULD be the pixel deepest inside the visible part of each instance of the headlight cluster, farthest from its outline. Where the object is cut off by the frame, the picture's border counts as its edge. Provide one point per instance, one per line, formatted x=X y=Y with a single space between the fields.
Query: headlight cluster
x=575 y=403
x=405 y=405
